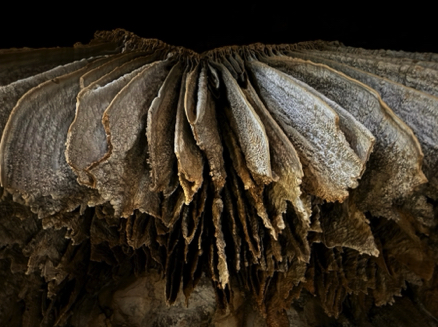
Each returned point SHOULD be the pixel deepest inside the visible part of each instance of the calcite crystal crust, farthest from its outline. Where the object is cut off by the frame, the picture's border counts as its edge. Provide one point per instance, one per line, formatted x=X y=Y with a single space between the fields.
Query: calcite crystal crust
x=144 y=184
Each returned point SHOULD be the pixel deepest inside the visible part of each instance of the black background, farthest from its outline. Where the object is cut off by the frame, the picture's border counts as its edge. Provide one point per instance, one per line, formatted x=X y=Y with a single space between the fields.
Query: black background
x=215 y=24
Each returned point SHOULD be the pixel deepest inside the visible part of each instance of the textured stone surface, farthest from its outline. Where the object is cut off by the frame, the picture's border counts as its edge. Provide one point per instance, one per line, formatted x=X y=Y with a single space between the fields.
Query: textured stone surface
x=144 y=184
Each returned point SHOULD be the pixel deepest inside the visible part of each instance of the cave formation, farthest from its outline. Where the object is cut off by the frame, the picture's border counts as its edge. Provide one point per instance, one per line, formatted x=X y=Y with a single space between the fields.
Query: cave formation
x=144 y=184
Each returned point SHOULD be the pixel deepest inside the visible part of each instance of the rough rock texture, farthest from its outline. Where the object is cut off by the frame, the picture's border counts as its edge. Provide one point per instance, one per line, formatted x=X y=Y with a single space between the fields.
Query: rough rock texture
x=288 y=185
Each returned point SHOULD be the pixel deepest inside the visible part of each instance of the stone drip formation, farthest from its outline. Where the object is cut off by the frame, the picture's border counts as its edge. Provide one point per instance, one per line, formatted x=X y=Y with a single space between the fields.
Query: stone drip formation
x=299 y=181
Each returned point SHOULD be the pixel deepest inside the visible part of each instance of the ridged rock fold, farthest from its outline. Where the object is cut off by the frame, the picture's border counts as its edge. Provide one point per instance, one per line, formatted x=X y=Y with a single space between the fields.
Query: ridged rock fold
x=144 y=184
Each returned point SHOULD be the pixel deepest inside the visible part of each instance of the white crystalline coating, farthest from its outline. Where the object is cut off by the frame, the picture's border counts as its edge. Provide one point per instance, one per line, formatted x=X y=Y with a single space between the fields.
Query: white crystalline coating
x=249 y=129
x=285 y=164
x=396 y=159
x=358 y=136
x=417 y=109
x=314 y=131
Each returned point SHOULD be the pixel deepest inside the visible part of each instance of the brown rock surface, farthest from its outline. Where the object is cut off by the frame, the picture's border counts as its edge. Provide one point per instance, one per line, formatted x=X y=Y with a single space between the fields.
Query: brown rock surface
x=147 y=185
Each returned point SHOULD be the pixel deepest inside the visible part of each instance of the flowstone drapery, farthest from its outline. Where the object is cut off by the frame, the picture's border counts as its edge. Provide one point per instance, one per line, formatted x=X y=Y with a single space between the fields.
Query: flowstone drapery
x=300 y=181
